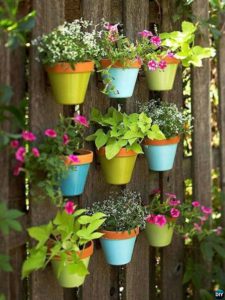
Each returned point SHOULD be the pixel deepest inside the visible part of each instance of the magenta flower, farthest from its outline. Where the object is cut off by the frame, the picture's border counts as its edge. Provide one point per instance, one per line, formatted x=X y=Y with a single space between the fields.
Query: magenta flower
x=171 y=196
x=66 y=139
x=195 y=203
x=150 y=219
x=160 y=220
x=28 y=136
x=50 y=133
x=197 y=227
x=69 y=207
x=170 y=54
x=206 y=210
x=14 y=144
x=145 y=33
x=162 y=64
x=174 y=212
x=73 y=158
x=35 y=152
x=152 y=65
x=174 y=202
x=155 y=40
x=20 y=154
x=81 y=120
x=17 y=169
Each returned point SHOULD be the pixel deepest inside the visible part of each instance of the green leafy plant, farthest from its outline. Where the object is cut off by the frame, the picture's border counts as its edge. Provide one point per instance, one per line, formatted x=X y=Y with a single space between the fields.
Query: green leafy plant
x=71 y=42
x=170 y=120
x=120 y=130
x=44 y=160
x=123 y=211
x=65 y=235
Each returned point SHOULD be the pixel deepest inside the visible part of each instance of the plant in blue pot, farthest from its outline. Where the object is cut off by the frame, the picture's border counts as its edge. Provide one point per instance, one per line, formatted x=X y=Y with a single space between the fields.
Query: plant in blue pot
x=160 y=154
x=125 y=216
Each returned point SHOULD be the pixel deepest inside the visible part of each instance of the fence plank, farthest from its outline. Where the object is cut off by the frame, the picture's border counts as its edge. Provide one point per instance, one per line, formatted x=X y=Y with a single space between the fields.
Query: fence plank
x=43 y=114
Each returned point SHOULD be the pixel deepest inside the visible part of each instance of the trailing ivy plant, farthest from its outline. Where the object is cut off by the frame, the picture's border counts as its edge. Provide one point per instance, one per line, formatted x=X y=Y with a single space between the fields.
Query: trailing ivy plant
x=120 y=130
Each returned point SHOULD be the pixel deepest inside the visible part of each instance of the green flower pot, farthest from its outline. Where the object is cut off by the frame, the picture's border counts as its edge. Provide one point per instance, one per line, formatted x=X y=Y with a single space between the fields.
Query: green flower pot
x=69 y=85
x=159 y=236
x=119 y=169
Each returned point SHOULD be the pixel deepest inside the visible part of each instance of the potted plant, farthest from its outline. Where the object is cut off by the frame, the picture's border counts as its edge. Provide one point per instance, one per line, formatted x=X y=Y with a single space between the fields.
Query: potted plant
x=118 y=141
x=160 y=154
x=124 y=217
x=162 y=53
x=119 y=65
x=68 y=54
x=57 y=165
x=66 y=242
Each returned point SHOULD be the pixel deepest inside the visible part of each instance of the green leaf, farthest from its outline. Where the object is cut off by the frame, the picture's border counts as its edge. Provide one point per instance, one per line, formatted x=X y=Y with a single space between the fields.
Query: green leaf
x=41 y=233
x=84 y=220
x=136 y=148
x=35 y=261
x=96 y=235
x=111 y=150
x=188 y=27
x=5 y=263
x=205 y=295
x=95 y=225
x=219 y=250
x=101 y=138
x=78 y=268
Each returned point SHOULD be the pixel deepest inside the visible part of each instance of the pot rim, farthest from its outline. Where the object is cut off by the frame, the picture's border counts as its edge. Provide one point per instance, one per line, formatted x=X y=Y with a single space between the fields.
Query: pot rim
x=171 y=60
x=122 y=153
x=130 y=64
x=170 y=141
x=65 y=67
x=85 y=157
x=120 y=235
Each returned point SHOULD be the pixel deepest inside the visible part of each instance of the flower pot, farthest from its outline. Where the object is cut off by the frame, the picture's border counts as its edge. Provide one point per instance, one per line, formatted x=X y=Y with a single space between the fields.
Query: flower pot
x=161 y=153
x=119 y=169
x=122 y=78
x=118 y=246
x=74 y=182
x=162 y=80
x=67 y=279
x=159 y=236
x=69 y=85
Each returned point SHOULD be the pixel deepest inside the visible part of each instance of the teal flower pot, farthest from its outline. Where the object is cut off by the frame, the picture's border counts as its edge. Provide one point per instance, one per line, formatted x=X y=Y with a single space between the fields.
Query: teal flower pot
x=74 y=181
x=118 y=247
x=161 y=154
x=122 y=79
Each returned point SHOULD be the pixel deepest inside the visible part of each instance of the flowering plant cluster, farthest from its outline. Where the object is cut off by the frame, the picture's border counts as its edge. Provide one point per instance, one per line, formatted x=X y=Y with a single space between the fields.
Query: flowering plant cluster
x=170 y=120
x=44 y=162
x=154 y=49
x=123 y=211
x=71 y=42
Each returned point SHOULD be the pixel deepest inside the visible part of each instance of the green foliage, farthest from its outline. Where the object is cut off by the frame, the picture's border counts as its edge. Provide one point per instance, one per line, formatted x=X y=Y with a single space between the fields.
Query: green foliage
x=166 y=115
x=120 y=130
x=63 y=237
x=123 y=211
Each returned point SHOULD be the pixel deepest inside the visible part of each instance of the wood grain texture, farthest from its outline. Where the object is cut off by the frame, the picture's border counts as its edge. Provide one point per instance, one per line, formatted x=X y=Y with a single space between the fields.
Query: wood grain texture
x=43 y=114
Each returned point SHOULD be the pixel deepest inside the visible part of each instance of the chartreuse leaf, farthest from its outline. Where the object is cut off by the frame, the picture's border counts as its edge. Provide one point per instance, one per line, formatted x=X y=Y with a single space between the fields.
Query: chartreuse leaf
x=112 y=150
x=84 y=220
x=188 y=27
x=41 y=233
x=101 y=138
x=78 y=268
x=97 y=215
x=35 y=261
x=79 y=212
x=95 y=225
x=136 y=148
x=2 y=297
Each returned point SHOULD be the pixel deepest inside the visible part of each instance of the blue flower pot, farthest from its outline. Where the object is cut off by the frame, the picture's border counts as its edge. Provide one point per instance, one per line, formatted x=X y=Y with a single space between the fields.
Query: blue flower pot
x=74 y=182
x=122 y=80
x=161 y=154
x=118 y=250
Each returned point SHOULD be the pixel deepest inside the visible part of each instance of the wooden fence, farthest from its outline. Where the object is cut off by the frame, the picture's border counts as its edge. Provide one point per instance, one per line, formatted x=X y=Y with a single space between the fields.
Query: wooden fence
x=138 y=280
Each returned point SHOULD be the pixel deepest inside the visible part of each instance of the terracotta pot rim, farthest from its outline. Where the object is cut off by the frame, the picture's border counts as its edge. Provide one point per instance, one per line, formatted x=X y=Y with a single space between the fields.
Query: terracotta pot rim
x=122 y=153
x=130 y=64
x=65 y=67
x=170 y=141
x=171 y=60
x=86 y=252
x=120 y=235
x=85 y=157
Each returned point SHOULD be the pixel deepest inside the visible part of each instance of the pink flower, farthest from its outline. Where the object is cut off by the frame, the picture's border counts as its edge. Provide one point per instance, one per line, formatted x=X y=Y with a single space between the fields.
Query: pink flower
x=174 y=212
x=81 y=120
x=17 y=169
x=195 y=203
x=73 y=158
x=14 y=144
x=112 y=38
x=150 y=219
x=145 y=33
x=170 y=54
x=20 y=154
x=35 y=152
x=171 y=196
x=69 y=207
x=50 y=133
x=162 y=64
x=160 y=220
x=174 y=202
x=218 y=230
x=197 y=227
x=28 y=136
x=111 y=28
x=203 y=219
x=155 y=40
x=66 y=139
x=206 y=210
x=155 y=191
x=152 y=65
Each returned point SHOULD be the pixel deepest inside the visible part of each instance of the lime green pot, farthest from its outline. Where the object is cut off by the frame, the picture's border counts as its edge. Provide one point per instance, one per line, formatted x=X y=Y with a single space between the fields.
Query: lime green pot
x=69 y=85
x=119 y=169
x=67 y=279
x=159 y=236
x=162 y=80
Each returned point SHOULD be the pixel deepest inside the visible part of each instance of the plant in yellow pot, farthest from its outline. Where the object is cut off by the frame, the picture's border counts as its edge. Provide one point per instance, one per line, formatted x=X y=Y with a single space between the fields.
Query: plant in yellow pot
x=118 y=141
x=68 y=54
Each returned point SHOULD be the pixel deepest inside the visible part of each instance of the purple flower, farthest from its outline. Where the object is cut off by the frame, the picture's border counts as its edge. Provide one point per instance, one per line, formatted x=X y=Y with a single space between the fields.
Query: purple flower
x=162 y=64
x=35 y=152
x=14 y=144
x=174 y=213
x=28 y=136
x=70 y=207
x=155 y=40
x=145 y=33
x=152 y=65
x=50 y=133
x=20 y=154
